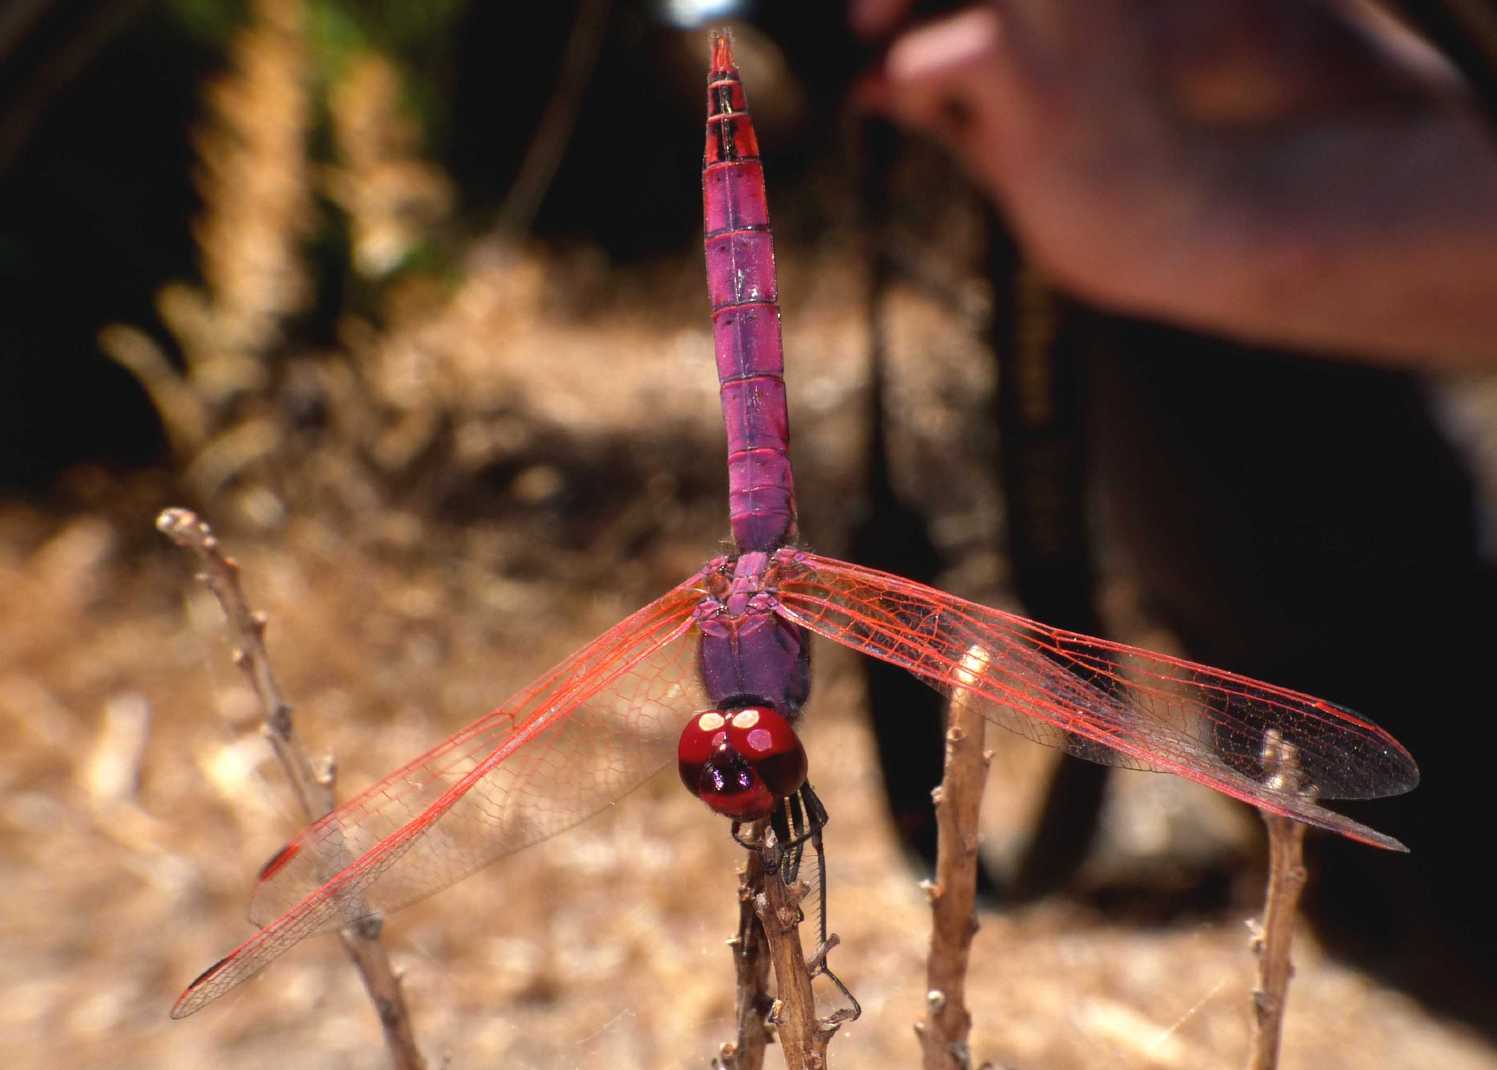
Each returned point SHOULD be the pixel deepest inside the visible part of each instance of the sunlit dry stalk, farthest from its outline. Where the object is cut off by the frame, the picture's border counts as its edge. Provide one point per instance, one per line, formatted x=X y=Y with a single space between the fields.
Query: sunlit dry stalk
x=253 y=177
x=953 y=894
x=802 y=1036
x=750 y=970
x=392 y=197
x=1286 y=880
x=252 y=174
x=313 y=787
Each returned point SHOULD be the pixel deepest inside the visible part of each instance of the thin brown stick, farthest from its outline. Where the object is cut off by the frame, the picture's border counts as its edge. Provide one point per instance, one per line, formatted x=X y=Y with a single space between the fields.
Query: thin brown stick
x=1286 y=880
x=803 y=1037
x=751 y=969
x=313 y=787
x=554 y=131
x=64 y=49
x=953 y=895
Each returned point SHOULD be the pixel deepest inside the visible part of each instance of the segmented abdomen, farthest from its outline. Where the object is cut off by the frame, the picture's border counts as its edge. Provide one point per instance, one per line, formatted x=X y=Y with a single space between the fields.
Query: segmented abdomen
x=745 y=315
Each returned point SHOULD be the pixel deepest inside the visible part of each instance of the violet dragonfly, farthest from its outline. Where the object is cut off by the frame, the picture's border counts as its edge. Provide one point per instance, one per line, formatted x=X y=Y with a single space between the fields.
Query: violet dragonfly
x=726 y=654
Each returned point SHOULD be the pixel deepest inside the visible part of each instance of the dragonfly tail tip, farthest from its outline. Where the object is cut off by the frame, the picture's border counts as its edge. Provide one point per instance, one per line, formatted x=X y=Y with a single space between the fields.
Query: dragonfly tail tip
x=722 y=50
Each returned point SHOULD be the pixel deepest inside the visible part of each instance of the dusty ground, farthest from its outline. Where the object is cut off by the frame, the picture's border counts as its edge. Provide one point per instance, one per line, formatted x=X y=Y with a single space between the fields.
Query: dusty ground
x=137 y=800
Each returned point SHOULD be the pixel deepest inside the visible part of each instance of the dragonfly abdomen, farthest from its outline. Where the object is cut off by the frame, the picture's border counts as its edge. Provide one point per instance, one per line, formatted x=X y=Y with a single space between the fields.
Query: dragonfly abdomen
x=745 y=315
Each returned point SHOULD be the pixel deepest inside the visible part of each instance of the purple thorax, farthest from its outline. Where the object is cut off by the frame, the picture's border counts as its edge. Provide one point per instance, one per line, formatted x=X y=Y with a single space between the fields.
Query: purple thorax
x=745 y=318
x=749 y=654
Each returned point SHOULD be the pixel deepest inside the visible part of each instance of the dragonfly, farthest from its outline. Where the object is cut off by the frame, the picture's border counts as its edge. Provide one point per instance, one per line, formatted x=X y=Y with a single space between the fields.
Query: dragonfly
x=714 y=674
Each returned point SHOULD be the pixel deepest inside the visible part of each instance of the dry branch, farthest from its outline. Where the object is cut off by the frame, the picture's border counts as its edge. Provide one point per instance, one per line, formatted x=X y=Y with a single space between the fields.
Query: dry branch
x=1286 y=880
x=751 y=970
x=803 y=1037
x=554 y=131
x=953 y=894
x=313 y=787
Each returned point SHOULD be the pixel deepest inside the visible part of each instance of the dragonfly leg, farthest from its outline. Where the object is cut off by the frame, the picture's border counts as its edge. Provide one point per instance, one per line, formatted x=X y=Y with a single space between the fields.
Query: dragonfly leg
x=790 y=832
x=797 y=822
x=816 y=815
x=750 y=842
x=817 y=964
x=807 y=816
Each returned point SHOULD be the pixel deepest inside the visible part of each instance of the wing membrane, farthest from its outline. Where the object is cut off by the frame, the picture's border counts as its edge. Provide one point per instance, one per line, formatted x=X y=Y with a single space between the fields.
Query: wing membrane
x=586 y=733
x=1104 y=701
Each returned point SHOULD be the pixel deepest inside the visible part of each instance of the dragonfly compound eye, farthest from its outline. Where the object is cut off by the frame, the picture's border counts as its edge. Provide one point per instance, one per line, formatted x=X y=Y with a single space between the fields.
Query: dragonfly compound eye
x=741 y=762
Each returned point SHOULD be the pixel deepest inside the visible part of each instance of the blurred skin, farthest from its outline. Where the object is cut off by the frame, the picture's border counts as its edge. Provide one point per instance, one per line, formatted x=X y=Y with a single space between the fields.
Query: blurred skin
x=1299 y=172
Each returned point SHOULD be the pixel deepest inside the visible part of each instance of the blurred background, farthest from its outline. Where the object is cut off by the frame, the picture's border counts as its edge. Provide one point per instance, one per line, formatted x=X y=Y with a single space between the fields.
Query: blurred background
x=407 y=300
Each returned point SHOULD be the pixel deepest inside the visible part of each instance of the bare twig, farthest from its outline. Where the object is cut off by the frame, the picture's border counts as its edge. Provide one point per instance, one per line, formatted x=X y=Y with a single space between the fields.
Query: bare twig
x=751 y=967
x=66 y=48
x=554 y=130
x=1286 y=880
x=953 y=895
x=803 y=1037
x=313 y=786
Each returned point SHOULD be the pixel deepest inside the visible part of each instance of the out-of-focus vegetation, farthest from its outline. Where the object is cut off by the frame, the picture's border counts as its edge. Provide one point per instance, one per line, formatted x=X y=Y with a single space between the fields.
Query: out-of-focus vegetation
x=241 y=413
x=352 y=339
x=325 y=154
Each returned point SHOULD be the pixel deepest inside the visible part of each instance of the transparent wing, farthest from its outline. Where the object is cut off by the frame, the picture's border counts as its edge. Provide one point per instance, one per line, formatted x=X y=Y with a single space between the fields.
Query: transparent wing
x=588 y=732
x=1104 y=701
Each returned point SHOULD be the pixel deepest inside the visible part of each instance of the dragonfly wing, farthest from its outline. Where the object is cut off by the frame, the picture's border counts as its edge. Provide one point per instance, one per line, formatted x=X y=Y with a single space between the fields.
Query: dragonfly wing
x=1102 y=700
x=588 y=732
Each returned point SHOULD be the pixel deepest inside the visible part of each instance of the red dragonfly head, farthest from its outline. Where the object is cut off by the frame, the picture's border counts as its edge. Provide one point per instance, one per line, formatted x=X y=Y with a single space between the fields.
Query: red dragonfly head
x=741 y=762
